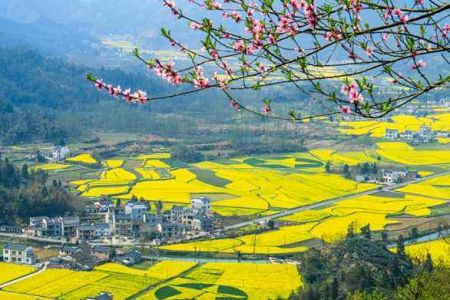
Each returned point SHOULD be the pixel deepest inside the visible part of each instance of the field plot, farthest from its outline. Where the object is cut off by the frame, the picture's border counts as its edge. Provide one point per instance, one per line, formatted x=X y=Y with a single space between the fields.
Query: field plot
x=10 y=272
x=154 y=156
x=377 y=129
x=343 y=157
x=155 y=163
x=85 y=158
x=54 y=283
x=328 y=224
x=240 y=186
x=16 y=296
x=231 y=281
x=438 y=187
x=114 y=163
x=404 y=154
x=52 y=167
x=281 y=241
x=119 y=280
x=438 y=249
x=118 y=174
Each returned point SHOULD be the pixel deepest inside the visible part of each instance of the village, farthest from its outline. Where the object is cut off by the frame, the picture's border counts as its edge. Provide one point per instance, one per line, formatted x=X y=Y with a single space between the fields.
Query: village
x=85 y=239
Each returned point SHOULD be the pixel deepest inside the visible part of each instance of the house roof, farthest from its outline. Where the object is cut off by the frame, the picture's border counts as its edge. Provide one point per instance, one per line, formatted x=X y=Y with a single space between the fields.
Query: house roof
x=15 y=246
x=101 y=249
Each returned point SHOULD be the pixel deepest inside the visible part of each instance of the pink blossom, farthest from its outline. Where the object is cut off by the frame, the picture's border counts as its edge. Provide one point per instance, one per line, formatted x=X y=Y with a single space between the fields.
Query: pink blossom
x=333 y=35
x=355 y=97
x=235 y=105
x=200 y=81
x=420 y=2
x=236 y=17
x=295 y=5
x=271 y=39
x=216 y=5
x=214 y=54
x=127 y=94
x=345 y=89
x=446 y=30
x=419 y=64
x=196 y=26
x=369 y=51
x=266 y=109
x=346 y=109
x=239 y=46
x=99 y=84
x=223 y=83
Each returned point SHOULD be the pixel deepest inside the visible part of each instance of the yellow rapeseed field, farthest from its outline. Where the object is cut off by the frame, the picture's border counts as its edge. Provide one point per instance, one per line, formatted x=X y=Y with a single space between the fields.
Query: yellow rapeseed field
x=438 y=187
x=148 y=173
x=154 y=156
x=54 y=283
x=342 y=157
x=85 y=158
x=51 y=167
x=233 y=281
x=404 y=154
x=10 y=272
x=271 y=242
x=161 y=270
x=377 y=129
x=438 y=249
x=155 y=163
x=105 y=191
x=16 y=296
x=114 y=163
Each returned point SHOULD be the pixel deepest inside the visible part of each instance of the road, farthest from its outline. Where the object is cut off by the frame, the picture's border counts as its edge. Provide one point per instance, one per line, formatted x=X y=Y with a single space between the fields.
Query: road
x=204 y=259
x=38 y=271
x=322 y=204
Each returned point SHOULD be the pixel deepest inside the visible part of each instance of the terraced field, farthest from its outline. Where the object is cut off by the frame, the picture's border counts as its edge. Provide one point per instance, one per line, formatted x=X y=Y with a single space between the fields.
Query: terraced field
x=377 y=129
x=164 y=280
x=241 y=186
x=328 y=224
x=402 y=153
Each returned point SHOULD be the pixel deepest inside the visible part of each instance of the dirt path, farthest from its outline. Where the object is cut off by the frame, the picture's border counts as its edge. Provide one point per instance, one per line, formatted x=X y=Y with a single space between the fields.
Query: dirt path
x=38 y=271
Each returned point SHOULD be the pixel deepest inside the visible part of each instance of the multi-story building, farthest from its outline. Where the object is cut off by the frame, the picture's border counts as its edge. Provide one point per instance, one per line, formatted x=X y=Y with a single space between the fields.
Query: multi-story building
x=85 y=232
x=18 y=253
x=69 y=226
x=45 y=227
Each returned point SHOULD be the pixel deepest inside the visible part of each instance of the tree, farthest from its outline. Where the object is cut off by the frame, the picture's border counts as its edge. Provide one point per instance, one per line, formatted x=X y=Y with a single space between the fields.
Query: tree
x=328 y=167
x=365 y=231
x=414 y=233
x=271 y=224
x=384 y=236
x=351 y=230
x=25 y=172
x=346 y=171
x=159 y=207
x=428 y=263
x=261 y=44
x=401 y=246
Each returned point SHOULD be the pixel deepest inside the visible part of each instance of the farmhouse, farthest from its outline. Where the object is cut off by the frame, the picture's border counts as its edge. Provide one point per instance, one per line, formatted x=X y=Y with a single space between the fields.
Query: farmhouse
x=18 y=253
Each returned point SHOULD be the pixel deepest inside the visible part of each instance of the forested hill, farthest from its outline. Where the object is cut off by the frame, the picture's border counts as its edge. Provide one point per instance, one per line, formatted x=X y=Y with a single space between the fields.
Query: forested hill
x=47 y=99
x=36 y=92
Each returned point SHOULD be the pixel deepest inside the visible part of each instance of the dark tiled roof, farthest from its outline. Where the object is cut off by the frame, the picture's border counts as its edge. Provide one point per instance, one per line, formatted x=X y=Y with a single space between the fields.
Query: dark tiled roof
x=15 y=246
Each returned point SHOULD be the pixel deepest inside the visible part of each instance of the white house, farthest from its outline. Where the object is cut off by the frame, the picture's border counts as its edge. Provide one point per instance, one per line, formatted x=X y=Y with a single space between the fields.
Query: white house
x=60 y=153
x=18 y=253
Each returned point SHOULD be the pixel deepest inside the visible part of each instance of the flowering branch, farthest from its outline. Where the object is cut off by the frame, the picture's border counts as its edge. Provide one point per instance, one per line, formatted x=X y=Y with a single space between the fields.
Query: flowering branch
x=375 y=50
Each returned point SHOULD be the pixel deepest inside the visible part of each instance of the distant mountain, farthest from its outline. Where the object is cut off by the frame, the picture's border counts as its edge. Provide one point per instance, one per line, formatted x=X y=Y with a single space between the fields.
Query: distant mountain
x=49 y=38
